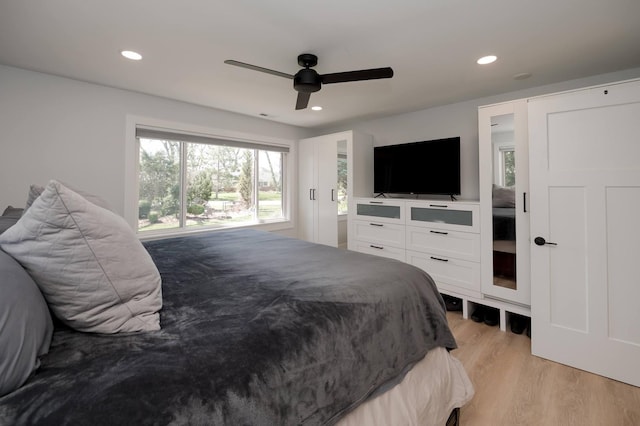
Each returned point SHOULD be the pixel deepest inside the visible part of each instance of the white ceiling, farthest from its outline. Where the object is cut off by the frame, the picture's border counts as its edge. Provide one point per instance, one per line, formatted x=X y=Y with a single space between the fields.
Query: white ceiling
x=431 y=45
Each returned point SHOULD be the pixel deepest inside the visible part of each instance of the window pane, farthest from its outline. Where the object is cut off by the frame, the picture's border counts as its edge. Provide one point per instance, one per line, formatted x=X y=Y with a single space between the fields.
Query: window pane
x=159 y=185
x=509 y=158
x=270 y=185
x=219 y=185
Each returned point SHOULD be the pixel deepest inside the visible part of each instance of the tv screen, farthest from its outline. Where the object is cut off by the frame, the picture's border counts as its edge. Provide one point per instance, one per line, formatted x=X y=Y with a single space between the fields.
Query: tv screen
x=427 y=167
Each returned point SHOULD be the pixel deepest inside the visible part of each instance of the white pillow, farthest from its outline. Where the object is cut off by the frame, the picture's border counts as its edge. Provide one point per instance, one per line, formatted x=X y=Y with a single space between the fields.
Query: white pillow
x=94 y=273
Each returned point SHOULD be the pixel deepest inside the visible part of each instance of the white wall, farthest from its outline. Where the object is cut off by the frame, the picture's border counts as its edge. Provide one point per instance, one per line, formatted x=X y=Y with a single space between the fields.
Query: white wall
x=53 y=127
x=58 y=128
x=460 y=119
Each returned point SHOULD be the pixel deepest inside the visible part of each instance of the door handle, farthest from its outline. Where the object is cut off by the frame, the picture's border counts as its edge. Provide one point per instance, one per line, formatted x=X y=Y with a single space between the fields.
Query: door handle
x=541 y=242
x=332 y=194
x=311 y=194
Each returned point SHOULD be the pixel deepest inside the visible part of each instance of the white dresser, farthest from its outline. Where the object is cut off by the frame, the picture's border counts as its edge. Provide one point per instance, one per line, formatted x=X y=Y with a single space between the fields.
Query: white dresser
x=440 y=237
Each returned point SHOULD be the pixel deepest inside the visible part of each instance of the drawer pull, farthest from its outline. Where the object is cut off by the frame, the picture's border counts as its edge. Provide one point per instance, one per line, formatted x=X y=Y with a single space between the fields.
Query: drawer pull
x=440 y=259
x=438 y=205
x=376 y=202
x=376 y=224
x=439 y=232
x=376 y=247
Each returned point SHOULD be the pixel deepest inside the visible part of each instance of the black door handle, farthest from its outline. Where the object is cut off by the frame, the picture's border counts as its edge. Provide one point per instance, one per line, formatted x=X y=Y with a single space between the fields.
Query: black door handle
x=541 y=241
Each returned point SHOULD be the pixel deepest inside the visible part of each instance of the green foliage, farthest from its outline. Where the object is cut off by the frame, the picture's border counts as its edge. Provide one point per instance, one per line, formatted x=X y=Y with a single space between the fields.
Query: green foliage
x=153 y=217
x=160 y=176
x=200 y=188
x=509 y=168
x=245 y=186
x=169 y=205
x=144 y=207
x=195 y=209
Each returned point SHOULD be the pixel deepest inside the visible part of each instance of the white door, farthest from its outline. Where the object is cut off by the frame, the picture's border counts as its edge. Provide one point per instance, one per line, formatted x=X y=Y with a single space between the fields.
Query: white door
x=585 y=219
x=327 y=193
x=307 y=187
x=317 y=186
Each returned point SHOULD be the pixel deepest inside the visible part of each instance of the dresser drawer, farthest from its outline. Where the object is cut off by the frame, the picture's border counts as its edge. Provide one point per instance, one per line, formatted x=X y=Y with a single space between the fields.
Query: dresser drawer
x=461 y=245
x=387 y=211
x=380 y=250
x=453 y=216
x=444 y=270
x=379 y=233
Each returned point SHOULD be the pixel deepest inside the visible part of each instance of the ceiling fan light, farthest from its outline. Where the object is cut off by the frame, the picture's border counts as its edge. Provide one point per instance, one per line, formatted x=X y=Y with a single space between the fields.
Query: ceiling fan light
x=487 y=60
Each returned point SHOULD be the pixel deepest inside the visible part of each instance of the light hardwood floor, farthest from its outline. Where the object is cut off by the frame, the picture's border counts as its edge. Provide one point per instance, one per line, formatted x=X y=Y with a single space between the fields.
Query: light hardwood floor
x=514 y=387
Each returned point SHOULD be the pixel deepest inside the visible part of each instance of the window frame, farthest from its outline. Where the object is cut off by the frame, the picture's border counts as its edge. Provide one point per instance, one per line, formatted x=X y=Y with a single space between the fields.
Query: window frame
x=132 y=173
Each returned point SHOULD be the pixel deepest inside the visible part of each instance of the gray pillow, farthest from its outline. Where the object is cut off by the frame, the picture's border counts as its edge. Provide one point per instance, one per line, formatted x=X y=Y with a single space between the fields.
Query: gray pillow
x=89 y=265
x=9 y=218
x=12 y=212
x=36 y=190
x=6 y=223
x=504 y=196
x=25 y=325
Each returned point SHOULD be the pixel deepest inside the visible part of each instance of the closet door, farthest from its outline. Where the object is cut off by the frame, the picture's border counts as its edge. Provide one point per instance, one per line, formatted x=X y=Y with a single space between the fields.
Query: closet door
x=585 y=187
x=317 y=194
x=307 y=188
x=326 y=194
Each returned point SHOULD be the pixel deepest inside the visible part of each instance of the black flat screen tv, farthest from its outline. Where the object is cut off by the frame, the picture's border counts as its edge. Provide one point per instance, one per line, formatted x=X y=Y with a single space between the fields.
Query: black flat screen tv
x=427 y=167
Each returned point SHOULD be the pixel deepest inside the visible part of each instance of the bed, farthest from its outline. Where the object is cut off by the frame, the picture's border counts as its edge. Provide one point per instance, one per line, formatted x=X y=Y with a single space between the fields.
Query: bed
x=259 y=329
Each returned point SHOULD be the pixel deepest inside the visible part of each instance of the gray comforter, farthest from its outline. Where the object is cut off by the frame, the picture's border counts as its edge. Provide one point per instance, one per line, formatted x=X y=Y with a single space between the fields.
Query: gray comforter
x=257 y=329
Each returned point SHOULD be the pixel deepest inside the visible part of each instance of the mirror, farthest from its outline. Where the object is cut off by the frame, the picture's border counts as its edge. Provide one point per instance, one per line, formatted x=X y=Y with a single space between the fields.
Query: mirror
x=342 y=178
x=503 y=200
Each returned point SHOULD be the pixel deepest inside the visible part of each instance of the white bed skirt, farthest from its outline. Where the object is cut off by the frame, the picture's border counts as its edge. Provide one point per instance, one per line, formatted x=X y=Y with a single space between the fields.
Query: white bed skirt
x=426 y=396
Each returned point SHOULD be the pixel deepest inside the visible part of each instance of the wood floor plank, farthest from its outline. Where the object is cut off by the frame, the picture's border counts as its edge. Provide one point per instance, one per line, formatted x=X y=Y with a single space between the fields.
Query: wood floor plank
x=514 y=387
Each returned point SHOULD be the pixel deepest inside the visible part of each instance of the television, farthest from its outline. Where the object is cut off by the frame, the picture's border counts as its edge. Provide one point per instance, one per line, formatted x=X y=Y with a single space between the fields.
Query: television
x=426 y=167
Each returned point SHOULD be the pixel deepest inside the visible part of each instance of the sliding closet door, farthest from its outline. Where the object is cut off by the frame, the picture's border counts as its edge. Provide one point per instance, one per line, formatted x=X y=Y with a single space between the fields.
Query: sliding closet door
x=585 y=229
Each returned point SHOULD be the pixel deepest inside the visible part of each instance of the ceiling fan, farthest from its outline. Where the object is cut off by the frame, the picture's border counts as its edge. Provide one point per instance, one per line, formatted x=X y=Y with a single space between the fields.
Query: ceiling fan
x=306 y=81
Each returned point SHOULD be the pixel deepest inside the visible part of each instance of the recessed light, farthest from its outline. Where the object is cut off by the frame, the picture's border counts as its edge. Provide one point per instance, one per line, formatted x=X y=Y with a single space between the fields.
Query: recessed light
x=130 y=54
x=316 y=108
x=487 y=60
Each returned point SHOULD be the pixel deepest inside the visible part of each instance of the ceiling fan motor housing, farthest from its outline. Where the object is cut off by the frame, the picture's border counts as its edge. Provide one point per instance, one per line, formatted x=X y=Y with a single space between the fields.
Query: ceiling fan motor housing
x=307 y=81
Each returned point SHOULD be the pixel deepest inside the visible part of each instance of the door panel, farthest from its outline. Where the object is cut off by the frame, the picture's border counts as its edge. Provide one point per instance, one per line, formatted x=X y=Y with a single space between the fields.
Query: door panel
x=568 y=292
x=585 y=193
x=327 y=164
x=623 y=248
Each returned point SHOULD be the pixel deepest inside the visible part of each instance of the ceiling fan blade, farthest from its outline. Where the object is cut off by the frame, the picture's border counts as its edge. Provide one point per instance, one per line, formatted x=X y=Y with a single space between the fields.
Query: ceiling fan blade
x=371 y=74
x=303 y=100
x=257 y=68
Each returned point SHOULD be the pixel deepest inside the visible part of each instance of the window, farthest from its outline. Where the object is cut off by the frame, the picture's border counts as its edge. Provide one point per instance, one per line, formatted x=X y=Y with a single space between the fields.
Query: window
x=189 y=181
x=342 y=184
x=508 y=166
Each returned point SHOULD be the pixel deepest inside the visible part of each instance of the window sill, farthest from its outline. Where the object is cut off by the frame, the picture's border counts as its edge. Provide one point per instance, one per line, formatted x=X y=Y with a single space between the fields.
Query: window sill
x=181 y=232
